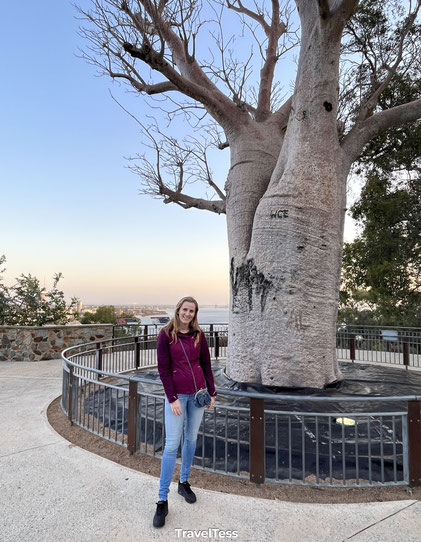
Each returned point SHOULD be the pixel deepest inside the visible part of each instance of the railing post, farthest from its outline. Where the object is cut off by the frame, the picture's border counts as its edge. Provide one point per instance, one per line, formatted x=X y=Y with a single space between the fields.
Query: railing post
x=145 y=337
x=352 y=348
x=132 y=417
x=98 y=359
x=406 y=356
x=216 y=344
x=257 y=441
x=137 y=352
x=414 y=443
x=70 y=398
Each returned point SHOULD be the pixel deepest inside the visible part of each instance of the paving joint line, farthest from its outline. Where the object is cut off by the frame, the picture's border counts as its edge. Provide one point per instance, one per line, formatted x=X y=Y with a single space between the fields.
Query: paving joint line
x=380 y=520
x=33 y=448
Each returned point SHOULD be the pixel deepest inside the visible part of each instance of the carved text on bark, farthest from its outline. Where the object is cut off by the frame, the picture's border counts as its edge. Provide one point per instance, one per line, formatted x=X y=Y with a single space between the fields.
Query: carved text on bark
x=279 y=213
x=295 y=320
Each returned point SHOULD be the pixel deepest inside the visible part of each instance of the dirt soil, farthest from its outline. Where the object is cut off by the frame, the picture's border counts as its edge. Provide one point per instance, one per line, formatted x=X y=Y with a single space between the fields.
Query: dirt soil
x=217 y=482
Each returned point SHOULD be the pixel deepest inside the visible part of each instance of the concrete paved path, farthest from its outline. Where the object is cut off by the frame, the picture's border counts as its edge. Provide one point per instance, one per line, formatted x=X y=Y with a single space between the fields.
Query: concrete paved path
x=51 y=490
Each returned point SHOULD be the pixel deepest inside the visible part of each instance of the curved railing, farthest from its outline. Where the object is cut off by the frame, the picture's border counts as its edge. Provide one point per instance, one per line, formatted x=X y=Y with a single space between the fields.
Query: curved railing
x=290 y=439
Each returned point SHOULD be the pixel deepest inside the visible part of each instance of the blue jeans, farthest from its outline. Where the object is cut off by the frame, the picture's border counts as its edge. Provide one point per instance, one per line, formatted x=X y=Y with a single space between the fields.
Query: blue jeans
x=190 y=419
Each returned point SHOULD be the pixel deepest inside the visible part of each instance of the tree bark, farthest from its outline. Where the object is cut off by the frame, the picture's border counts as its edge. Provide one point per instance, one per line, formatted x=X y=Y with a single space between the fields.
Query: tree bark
x=285 y=284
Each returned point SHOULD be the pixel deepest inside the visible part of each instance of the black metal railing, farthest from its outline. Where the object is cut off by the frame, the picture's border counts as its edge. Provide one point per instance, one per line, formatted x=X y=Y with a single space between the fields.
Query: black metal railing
x=256 y=436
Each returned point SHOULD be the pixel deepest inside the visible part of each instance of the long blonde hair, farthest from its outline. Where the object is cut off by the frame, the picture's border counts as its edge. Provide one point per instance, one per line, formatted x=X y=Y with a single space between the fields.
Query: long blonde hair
x=173 y=326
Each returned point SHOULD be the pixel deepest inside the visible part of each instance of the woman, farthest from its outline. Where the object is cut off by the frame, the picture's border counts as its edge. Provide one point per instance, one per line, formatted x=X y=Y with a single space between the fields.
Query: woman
x=182 y=351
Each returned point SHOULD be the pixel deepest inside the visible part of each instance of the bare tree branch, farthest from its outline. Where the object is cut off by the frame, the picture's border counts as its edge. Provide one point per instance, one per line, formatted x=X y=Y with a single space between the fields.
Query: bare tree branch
x=188 y=202
x=376 y=55
x=273 y=33
x=282 y=115
x=273 y=29
x=232 y=72
x=149 y=35
x=237 y=6
x=369 y=105
x=353 y=143
x=176 y=165
x=157 y=88
x=164 y=36
x=192 y=81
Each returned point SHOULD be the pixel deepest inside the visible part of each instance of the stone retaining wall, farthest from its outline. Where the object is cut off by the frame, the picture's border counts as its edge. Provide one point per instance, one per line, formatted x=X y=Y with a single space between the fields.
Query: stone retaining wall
x=27 y=343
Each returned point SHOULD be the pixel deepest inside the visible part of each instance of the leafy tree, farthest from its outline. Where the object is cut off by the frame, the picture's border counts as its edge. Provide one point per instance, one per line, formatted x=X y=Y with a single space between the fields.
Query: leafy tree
x=76 y=315
x=291 y=154
x=103 y=315
x=126 y=315
x=381 y=268
x=26 y=303
x=4 y=293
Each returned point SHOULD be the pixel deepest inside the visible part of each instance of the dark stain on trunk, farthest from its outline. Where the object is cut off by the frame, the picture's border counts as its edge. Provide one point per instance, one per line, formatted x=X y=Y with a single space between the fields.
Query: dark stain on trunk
x=248 y=277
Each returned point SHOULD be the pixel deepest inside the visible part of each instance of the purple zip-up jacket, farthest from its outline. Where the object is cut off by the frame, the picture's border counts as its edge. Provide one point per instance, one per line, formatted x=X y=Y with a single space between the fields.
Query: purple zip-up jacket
x=174 y=369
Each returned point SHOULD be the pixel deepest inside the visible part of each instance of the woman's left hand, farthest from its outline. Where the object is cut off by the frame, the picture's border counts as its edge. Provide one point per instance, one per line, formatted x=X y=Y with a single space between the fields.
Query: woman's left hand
x=211 y=403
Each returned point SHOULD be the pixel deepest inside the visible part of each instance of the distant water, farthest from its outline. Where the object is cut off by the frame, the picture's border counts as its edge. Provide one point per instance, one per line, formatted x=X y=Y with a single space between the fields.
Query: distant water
x=209 y=315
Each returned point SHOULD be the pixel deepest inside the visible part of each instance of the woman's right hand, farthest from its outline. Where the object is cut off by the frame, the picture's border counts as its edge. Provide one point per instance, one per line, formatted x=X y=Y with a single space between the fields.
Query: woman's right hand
x=176 y=407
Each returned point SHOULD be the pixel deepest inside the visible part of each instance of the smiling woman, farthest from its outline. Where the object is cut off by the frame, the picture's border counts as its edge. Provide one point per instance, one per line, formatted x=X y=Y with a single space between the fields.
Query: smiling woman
x=184 y=367
x=186 y=314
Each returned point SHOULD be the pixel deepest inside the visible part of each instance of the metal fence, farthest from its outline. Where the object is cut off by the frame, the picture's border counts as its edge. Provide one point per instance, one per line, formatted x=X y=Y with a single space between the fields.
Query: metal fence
x=373 y=344
x=248 y=435
x=216 y=334
x=396 y=346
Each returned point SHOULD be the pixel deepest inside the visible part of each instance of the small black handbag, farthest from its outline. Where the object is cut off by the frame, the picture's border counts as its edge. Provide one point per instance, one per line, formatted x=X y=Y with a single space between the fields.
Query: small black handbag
x=201 y=397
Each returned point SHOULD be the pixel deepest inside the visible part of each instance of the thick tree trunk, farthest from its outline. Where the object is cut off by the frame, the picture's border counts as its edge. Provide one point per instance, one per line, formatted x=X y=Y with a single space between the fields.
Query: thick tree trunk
x=284 y=294
x=284 y=288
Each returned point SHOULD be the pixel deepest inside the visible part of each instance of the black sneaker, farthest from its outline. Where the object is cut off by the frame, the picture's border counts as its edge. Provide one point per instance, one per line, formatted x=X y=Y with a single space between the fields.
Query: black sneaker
x=161 y=512
x=184 y=489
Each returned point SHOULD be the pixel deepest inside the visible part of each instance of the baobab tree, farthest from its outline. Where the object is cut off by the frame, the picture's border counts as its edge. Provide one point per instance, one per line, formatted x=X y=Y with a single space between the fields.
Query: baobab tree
x=290 y=156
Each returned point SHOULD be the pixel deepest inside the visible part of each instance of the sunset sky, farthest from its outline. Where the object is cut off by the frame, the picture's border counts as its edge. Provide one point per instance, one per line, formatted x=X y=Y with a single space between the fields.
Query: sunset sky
x=69 y=203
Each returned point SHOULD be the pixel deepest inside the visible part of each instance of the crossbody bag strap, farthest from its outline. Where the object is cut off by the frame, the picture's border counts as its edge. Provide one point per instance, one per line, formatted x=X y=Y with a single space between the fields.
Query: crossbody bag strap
x=188 y=361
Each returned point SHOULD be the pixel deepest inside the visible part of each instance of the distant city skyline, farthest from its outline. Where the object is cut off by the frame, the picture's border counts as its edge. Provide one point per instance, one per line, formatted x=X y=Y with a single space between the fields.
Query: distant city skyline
x=157 y=306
